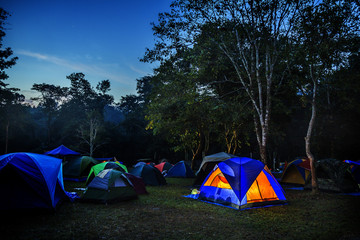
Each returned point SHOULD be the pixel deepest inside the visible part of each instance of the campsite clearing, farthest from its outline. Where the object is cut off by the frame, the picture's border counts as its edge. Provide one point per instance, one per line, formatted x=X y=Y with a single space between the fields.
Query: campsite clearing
x=165 y=214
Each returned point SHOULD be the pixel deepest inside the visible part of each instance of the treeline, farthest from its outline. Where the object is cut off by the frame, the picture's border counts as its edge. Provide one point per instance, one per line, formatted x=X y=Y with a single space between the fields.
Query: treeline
x=272 y=80
x=81 y=117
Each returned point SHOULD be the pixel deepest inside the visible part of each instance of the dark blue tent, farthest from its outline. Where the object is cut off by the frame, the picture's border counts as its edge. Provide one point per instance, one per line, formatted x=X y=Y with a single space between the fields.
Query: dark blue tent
x=61 y=151
x=181 y=170
x=151 y=175
x=29 y=180
x=355 y=169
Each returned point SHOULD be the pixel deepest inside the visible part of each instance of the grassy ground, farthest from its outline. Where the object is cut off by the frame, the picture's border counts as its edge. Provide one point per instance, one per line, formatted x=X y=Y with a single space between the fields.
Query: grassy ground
x=165 y=214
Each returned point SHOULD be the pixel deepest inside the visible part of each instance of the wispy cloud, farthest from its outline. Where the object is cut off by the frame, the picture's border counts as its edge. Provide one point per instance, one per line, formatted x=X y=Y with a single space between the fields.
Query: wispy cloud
x=76 y=66
x=139 y=71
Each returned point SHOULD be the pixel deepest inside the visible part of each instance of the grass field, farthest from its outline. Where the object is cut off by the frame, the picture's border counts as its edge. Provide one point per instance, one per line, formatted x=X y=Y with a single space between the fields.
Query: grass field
x=165 y=214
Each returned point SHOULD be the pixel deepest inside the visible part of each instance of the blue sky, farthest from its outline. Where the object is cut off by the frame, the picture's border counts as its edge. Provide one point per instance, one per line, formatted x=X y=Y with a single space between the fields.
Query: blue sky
x=104 y=39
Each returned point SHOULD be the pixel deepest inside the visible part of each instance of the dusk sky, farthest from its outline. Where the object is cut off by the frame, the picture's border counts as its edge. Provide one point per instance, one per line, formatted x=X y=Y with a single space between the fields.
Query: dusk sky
x=104 y=39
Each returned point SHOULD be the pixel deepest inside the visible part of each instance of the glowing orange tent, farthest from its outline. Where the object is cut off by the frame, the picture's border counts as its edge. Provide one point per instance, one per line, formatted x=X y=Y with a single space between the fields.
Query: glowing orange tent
x=240 y=183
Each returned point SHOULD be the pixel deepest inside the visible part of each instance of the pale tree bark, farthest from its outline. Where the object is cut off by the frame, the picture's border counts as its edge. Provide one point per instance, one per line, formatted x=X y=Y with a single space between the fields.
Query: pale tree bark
x=93 y=132
x=309 y=154
x=262 y=108
x=88 y=134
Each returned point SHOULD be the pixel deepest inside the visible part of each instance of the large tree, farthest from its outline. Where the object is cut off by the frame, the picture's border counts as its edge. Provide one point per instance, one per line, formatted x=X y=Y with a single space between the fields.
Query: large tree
x=251 y=34
x=6 y=60
x=9 y=97
x=181 y=109
x=323 y=33
x=50 y=102
x=83 y=109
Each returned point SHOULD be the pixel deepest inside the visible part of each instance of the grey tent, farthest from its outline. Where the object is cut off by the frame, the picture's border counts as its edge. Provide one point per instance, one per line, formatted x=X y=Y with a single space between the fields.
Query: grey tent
x=208 y=163
x=109 y=185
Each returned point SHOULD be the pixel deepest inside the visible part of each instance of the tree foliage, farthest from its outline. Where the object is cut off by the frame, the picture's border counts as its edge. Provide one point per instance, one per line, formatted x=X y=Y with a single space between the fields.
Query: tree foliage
x=235 y=76
x=252 y=35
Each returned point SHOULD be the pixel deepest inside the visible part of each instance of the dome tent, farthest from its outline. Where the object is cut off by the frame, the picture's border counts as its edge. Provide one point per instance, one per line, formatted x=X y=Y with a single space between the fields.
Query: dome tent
x=241 y=183
x=138 y=183
x=30 y=180
x=62 y=151
x=77 y=168
x=180 y=170
x=104 y=165
x=109 y=185
x=151 y=175
x=207 y=165
x=296 y=172
x=139 y=164
x=164 y=166
x=355 y=169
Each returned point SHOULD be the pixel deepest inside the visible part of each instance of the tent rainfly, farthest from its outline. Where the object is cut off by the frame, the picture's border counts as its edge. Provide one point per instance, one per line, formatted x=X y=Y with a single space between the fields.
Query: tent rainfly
x=109 y=185
x=241 y=183
x=180 y=170
x=77 y=168
x=207 y=165
x=62 y=151
x=164 y=167
x=151 y=175
x=104 y=165
x=30 y=180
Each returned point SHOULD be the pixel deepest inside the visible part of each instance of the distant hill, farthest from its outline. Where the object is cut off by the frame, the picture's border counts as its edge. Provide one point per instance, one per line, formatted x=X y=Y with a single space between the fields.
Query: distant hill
x=113 y=114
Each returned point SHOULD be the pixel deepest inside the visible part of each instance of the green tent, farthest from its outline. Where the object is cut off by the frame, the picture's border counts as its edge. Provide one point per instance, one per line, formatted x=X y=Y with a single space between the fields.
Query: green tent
x=94 y=171
x=77 y=167
x=109 y=185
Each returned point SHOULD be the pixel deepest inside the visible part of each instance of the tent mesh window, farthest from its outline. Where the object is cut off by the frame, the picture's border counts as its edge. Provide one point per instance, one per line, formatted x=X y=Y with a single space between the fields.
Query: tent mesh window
x=217 y=179
x=261 y=190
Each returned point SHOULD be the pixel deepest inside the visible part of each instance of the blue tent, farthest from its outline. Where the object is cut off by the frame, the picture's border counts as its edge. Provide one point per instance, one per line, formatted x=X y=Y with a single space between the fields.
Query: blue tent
x=151 y=175
x=29 y=180
x=61 y=151
x=355 y=169
x=181 y=170
x=241 y=183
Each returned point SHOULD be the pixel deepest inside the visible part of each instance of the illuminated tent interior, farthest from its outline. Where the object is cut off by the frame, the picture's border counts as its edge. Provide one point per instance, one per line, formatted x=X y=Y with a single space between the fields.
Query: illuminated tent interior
x=241 y=183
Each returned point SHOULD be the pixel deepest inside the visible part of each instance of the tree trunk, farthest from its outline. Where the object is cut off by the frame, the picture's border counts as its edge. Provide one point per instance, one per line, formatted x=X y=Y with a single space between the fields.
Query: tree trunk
x=309 y=155
x=7 y=136
x=253 y=85
x=261 y=139
x=92 y=136
x=263 y=156
x=201 y=149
